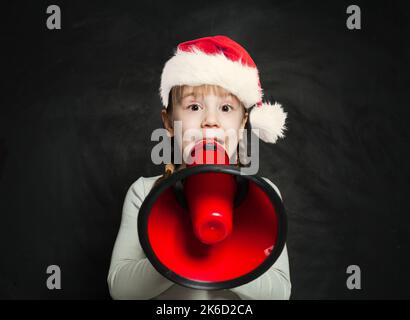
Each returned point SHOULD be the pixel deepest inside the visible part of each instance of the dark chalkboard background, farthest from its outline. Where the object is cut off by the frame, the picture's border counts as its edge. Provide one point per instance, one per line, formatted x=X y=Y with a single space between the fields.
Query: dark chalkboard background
x=78 y=106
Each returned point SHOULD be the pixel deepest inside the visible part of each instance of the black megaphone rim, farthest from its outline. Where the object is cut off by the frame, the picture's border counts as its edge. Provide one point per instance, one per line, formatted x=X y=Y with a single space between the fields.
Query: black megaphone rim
x=157 y=190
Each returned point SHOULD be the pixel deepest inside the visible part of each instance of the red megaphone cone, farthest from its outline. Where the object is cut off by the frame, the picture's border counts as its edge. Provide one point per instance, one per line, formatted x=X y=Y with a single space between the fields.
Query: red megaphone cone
x=210 y=196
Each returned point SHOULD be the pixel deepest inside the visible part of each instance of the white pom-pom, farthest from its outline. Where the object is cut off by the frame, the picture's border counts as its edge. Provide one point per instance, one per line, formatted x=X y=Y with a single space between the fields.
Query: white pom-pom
x=268 y=121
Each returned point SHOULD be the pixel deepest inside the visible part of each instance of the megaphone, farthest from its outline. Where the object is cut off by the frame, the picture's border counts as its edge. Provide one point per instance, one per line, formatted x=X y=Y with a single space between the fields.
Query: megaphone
x=208 y=226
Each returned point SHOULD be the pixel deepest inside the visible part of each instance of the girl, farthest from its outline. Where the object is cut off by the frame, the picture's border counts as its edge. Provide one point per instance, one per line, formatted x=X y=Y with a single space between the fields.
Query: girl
x=211 y=84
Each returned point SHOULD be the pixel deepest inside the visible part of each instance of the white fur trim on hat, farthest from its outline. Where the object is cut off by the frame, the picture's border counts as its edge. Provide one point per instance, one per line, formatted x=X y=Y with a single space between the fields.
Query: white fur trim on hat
x=270 y=120
x=197 y=68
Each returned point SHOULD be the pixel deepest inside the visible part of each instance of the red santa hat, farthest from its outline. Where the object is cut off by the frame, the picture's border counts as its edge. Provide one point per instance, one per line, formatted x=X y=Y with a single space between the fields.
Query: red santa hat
x=221 y=61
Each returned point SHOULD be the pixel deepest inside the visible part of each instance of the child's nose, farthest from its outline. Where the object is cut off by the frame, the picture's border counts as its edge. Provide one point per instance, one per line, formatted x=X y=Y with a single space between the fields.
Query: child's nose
x=210 y=120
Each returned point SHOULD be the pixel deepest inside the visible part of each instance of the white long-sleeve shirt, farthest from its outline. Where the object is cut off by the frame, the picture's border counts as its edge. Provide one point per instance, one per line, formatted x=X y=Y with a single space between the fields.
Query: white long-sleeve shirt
x=132 y=276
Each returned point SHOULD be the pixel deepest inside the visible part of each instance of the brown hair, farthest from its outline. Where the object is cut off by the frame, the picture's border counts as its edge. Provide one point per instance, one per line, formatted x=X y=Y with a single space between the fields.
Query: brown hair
x=175 y=97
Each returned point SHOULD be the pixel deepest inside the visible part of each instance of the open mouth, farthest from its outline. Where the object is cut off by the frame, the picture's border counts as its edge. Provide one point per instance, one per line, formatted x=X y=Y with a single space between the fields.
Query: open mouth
x=207 y=139
x=212 y=134
x=207 y=151
x=218 y=139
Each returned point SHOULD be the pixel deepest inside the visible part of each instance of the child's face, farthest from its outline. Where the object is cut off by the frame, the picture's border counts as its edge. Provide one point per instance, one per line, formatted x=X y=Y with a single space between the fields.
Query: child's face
x=212 y=114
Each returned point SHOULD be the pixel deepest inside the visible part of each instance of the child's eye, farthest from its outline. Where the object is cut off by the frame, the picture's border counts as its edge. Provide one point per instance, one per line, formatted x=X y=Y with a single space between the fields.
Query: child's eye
x=194 y=107
x=226 y=108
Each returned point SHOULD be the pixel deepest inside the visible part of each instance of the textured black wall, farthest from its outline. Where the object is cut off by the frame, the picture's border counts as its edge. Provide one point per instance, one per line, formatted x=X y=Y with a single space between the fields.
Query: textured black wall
x=78 y=106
